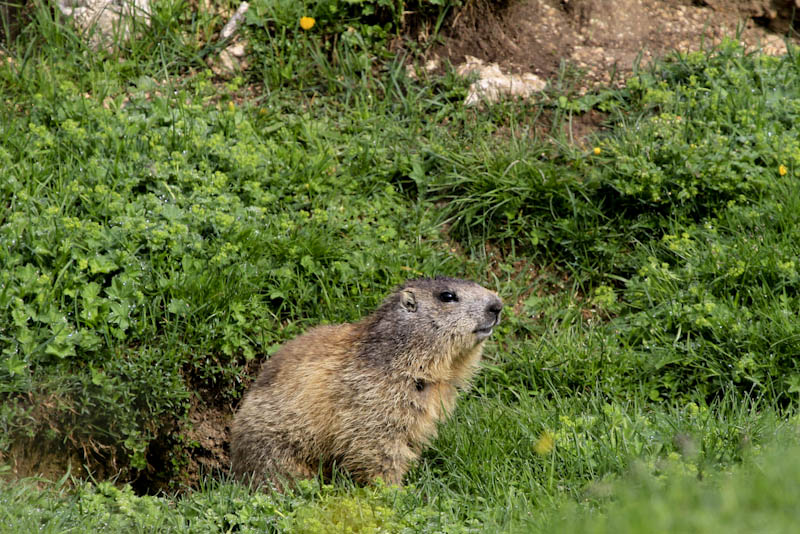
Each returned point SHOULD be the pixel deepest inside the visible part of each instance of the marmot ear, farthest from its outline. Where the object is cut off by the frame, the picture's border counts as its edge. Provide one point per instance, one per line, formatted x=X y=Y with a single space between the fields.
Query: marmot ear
x=408 y=300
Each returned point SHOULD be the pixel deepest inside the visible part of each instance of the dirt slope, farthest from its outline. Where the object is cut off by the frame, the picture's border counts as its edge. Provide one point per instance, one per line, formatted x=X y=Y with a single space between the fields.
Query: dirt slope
x=604 y=38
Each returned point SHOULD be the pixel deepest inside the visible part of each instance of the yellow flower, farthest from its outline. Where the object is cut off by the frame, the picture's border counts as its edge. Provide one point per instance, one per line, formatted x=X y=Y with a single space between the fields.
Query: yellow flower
x=545 y=443
x=307 y=22
x=782 y=170
x=597 y=150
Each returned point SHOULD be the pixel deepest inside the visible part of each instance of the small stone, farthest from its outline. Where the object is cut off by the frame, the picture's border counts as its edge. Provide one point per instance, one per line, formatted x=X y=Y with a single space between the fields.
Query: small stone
x=492 y=84
x=106 y=21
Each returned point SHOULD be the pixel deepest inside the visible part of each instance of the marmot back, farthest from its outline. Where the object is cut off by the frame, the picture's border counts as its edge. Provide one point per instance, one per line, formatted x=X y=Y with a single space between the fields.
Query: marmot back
x=366 y=395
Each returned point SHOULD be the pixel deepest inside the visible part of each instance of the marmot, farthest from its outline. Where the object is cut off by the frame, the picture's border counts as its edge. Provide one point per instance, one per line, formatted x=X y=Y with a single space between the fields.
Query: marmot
x=367 y=395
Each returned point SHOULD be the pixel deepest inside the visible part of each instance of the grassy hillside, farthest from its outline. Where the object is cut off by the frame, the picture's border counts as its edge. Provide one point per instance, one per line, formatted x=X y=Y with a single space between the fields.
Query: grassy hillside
x=164 y=230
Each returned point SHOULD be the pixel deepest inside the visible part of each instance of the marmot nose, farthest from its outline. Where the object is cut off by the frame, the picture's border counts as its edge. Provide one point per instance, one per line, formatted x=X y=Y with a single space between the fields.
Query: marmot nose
x=494 y=308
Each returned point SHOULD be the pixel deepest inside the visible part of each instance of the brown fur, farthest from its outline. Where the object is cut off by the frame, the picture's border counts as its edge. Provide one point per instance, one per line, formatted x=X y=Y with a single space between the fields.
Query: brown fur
x=366 y=395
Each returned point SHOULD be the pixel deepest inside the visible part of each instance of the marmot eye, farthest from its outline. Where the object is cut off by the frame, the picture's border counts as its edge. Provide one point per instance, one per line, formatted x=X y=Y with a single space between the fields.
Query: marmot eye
x=448 y=296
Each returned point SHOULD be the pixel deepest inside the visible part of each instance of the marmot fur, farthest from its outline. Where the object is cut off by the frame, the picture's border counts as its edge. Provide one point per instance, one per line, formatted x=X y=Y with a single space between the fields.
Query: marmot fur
x=366 y=395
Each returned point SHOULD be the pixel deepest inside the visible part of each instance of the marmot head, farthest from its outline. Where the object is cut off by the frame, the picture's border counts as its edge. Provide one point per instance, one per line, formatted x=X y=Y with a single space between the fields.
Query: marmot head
x=436 y=319
x=449 y=305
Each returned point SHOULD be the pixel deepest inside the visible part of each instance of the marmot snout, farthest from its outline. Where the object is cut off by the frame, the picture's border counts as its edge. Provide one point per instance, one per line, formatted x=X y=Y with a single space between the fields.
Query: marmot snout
x=366 y=396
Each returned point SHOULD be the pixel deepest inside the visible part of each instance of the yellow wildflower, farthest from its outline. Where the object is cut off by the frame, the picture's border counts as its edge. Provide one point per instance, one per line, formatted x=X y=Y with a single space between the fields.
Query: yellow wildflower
x=597 y=150
x=782 y=170
x=545 y=443
x=307 y=22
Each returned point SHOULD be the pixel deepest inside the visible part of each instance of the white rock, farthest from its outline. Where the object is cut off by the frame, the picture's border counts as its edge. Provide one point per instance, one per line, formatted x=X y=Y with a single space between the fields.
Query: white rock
x=492 y=84
x=230 y=61
x=233 y=24
x=106 y=22
x=429 y=66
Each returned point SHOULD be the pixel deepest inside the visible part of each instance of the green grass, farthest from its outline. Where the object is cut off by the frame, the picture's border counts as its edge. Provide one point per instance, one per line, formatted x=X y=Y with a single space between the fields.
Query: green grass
x=165 y=230
x=756 y=497
x=492 y=487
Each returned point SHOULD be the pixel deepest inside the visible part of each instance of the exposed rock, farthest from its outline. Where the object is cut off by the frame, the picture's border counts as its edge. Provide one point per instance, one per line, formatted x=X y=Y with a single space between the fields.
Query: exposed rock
x=604 y=40
x=232 y=59
x=230 y=29
x=432 y=65
x=774 y=14
x=493 y=84
x=106 y=22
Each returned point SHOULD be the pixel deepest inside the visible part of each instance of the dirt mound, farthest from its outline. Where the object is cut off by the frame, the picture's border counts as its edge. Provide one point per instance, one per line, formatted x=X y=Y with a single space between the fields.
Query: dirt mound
x=605 y=38
x=210 y=436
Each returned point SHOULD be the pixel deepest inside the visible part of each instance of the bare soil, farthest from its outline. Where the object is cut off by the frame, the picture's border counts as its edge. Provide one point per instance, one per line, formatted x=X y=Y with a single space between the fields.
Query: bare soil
x=210 y=437
x=604 y=39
